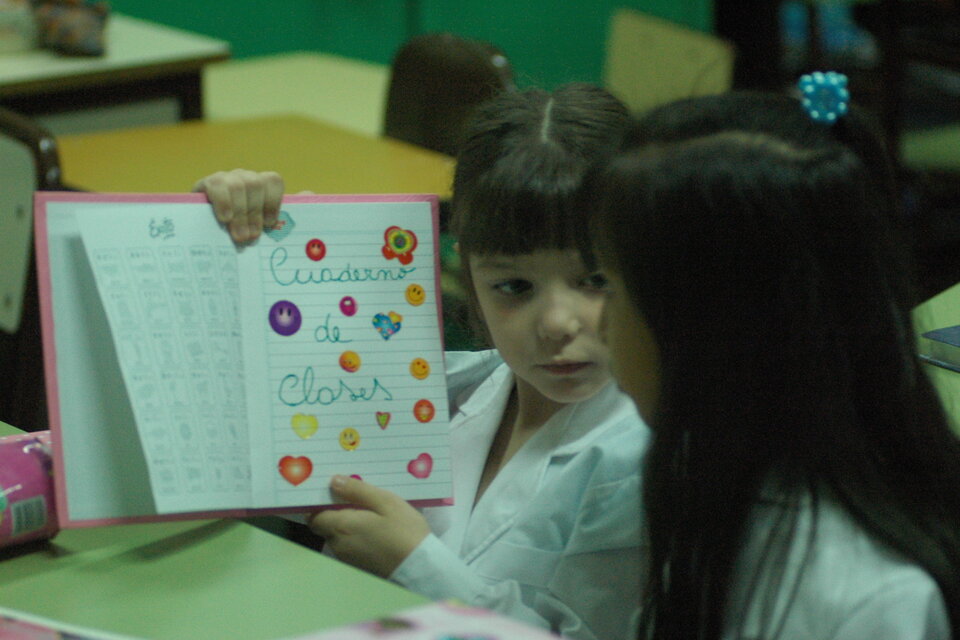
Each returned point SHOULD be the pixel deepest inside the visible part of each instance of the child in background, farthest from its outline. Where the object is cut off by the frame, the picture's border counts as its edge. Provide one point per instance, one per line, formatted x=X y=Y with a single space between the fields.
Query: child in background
x=802 y=481
x=546 y=449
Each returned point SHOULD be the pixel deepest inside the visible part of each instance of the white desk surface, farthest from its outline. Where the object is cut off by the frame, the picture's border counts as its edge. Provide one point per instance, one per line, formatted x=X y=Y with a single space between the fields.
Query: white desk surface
x=134 y=48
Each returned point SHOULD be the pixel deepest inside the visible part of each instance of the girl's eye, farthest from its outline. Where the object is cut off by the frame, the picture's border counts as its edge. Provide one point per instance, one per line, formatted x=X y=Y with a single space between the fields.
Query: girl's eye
x=596 y=281
x=514 y=287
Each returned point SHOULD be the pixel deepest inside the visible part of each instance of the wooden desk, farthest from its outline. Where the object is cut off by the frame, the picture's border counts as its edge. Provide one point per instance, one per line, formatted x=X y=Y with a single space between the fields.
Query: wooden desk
x=309 y=154
x=143 y=61
x=200 y=579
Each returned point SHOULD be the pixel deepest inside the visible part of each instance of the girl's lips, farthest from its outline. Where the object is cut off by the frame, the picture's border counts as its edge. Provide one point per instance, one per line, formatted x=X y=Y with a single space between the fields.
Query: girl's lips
x=565 y=369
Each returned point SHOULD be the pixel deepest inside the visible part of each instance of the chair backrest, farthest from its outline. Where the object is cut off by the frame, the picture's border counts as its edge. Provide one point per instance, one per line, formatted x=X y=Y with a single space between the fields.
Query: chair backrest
x=650 y=61
x=28 y=162
x=436 y=81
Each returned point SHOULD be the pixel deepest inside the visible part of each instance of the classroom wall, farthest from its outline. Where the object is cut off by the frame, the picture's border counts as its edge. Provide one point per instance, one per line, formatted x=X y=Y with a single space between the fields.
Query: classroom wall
x=548 y=41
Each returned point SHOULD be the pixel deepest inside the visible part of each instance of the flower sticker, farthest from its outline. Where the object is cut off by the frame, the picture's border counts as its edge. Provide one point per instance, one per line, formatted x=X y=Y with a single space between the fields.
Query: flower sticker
x=399 y=243
x=824 y=95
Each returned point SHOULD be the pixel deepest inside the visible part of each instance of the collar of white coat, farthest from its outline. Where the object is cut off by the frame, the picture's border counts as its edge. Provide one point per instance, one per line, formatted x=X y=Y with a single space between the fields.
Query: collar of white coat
x=567 y=432
x=573 y=429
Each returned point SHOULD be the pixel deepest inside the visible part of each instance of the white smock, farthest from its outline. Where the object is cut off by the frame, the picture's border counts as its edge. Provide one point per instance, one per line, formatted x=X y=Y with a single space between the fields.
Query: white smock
x=555 y=540
x=851 y=586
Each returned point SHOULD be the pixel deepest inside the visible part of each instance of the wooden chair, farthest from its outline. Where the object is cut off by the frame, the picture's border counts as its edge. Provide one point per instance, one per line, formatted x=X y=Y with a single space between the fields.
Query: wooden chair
x=28 y=162
x=650 y=61
x=436 y=80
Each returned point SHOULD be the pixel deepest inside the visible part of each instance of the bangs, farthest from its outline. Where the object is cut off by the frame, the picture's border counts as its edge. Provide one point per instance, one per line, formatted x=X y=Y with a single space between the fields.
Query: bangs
x=519 y=210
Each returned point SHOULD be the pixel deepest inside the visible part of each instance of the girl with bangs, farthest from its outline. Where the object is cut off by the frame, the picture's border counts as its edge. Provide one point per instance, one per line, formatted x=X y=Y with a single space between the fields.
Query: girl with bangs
x=546 y=449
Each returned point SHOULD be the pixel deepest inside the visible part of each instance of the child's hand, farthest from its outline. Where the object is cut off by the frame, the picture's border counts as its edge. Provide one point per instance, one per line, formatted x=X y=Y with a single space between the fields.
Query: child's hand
x=377 y=535
x=244 y=201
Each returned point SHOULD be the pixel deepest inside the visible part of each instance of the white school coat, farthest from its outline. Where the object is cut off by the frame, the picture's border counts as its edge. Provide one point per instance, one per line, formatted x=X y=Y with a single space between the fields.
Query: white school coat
x=852 y=586
x=555 y=539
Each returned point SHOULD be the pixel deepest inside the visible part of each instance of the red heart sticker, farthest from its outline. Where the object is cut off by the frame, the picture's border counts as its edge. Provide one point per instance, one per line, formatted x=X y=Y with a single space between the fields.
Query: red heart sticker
x=421 y=466
x=295 y=469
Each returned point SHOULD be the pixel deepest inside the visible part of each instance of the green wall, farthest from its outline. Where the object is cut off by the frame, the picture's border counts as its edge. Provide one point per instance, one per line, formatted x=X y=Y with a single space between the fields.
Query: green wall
x=552 y=42
x=548 y=42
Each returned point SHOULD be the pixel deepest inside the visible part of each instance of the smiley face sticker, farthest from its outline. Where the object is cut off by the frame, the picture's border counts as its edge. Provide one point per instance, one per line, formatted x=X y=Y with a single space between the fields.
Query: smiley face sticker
x=285 y=318
x=399 y=243
x=316 y=250
x=350 y=361
x=424 y=410
x=415 y=295
x=419 y=368
x=349 y=439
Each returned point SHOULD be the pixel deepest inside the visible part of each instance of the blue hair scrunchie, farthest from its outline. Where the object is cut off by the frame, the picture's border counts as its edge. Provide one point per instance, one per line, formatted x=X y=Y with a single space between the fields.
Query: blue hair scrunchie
x=824 y=95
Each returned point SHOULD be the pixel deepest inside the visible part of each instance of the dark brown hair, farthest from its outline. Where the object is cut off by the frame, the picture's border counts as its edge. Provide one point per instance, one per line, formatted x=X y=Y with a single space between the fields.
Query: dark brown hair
x=769 y=268
x=521 y=165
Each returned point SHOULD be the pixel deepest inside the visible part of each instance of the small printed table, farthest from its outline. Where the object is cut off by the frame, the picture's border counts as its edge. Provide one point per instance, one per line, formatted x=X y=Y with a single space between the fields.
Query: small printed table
x=143 y=61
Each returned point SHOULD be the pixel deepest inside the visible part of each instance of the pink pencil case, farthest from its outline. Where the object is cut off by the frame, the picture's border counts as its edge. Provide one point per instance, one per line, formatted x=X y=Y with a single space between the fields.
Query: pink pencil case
x=27 y=510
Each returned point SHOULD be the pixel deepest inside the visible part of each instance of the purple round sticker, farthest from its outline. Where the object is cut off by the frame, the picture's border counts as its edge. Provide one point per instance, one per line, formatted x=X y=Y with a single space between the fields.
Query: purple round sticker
x=285 y=318
x=348 y=306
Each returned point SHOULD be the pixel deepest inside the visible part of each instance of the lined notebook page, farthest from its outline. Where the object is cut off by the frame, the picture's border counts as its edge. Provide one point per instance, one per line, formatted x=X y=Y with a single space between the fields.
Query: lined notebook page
x=344 y=357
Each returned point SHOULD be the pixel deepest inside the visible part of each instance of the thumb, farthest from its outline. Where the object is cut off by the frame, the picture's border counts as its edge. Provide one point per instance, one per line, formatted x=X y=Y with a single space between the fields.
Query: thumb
x=360 y=493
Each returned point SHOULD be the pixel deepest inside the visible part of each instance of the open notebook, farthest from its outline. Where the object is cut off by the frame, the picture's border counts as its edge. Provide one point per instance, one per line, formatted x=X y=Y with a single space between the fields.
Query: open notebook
x=188 y=378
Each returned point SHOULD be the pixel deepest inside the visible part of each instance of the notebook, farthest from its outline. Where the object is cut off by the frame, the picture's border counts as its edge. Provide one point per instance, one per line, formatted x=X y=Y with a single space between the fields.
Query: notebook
x=942 y=348
x=188 y=378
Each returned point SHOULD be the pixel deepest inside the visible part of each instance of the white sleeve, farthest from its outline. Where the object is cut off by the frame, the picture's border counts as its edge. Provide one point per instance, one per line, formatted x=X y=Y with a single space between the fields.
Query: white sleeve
x=906 y=610
x=590 y=589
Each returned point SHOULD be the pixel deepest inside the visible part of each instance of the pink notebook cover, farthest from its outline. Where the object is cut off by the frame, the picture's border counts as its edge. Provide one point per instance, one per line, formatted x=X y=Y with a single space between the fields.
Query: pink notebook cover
x=436 y=621
x=46 y=288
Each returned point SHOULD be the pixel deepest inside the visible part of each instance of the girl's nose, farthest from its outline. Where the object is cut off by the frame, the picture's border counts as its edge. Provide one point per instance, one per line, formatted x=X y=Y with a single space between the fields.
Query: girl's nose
x=560 y=318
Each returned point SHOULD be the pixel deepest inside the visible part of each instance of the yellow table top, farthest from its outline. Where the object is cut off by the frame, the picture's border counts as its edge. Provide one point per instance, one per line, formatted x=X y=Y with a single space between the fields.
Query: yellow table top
x=309 y=154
